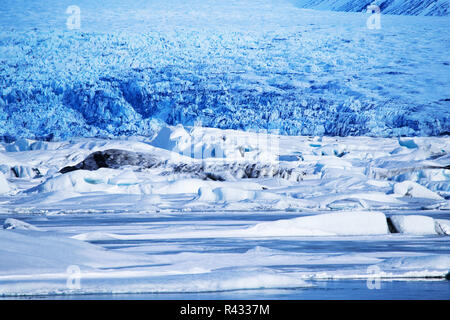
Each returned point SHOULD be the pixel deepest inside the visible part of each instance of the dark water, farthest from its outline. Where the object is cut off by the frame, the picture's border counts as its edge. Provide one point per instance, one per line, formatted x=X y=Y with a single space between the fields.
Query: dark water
x=322 y=290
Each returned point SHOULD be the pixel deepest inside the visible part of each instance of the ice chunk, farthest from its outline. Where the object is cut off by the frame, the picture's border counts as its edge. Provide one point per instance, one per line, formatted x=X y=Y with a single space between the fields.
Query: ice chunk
x=20 y=171
x=408 y=143
x=415 y=190
x=342 y=223
x=11 y=223
x=102 y=180
x=19 y=145
x=414 y=224
x=77 y=181
x=172 y=139
x=442 y=226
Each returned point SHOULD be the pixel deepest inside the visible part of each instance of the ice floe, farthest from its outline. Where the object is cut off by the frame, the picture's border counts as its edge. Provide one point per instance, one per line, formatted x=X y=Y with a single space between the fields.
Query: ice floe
x=414 y=224
x=412 y=189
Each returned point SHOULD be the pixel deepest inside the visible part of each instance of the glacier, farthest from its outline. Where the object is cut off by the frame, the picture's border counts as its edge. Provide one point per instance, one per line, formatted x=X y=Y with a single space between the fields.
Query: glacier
x=247 y=65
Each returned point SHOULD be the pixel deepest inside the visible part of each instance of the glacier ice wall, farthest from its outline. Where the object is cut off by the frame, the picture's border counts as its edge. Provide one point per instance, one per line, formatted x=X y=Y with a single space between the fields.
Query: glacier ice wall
x=251 y=65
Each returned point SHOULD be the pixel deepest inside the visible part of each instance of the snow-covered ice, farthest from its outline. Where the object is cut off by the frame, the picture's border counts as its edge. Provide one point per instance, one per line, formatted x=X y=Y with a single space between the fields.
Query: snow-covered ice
x=414 y=224
x=11 y=223
x=326 y=173
x=143 y=220
x=413 y=189
x=145 y=258
x=4 y=185
x=343 y=223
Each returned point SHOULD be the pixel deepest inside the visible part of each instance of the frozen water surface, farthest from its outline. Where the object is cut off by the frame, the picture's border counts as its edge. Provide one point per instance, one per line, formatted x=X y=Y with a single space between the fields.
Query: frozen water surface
x=331 y=267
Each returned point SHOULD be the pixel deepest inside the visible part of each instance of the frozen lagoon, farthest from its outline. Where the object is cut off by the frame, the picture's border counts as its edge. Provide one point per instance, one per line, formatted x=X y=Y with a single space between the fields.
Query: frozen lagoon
x=310 y=215
x=331 y=267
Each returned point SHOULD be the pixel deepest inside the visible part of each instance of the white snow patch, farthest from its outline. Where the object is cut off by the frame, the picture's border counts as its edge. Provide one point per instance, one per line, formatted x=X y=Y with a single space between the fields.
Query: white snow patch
x=4 y=186
x=32 y=252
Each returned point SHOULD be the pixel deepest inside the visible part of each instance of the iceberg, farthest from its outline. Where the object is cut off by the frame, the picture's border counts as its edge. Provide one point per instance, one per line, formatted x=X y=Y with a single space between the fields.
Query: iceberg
x=342 y=223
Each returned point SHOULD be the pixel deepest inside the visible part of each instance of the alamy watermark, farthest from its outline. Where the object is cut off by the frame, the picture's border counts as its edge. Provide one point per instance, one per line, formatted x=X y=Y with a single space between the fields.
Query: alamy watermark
x=73 y=281
x=374 y=21
x=374 y=278
x=73 y=22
